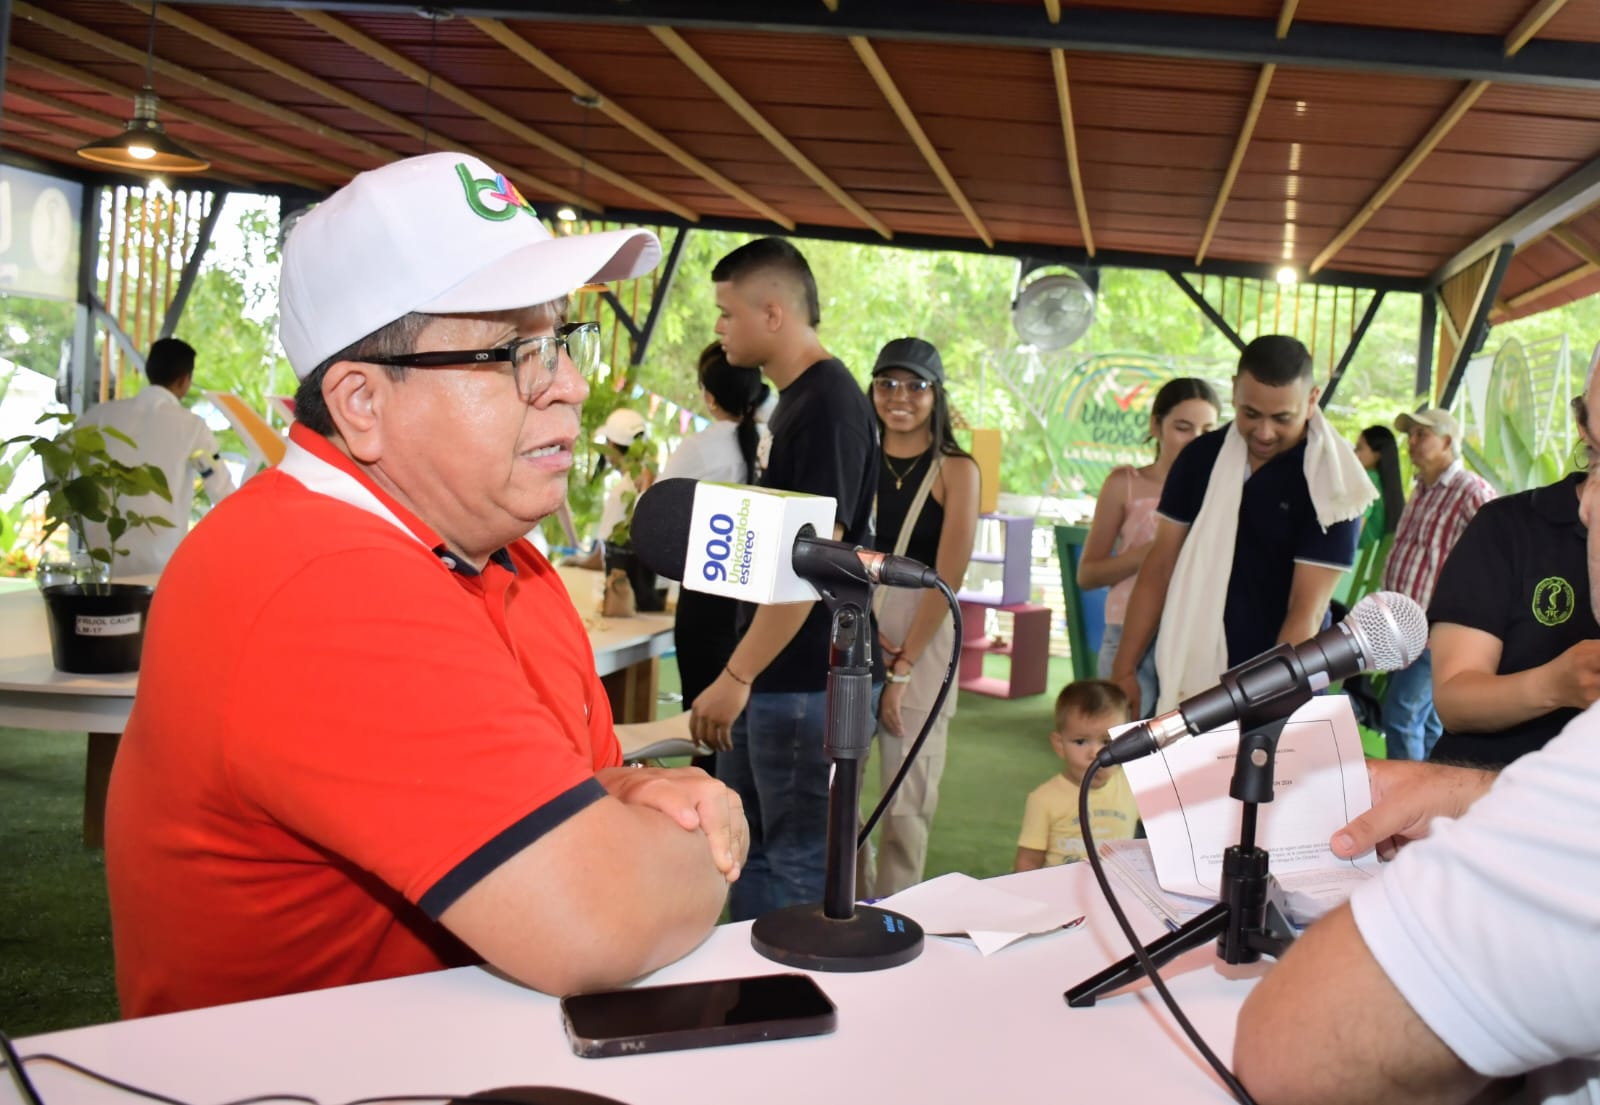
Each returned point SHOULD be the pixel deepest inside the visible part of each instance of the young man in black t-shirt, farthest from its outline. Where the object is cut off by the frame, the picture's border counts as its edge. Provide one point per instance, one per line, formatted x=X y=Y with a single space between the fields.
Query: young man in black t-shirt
x=767 y=710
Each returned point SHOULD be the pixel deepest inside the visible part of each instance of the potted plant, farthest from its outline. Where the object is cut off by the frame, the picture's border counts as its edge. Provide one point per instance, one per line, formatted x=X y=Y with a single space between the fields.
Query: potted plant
x=619 y=554
x=96 y=625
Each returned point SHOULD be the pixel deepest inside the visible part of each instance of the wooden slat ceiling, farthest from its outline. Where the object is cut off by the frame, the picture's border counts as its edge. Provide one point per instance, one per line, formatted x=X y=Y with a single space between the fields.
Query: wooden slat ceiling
x=1353 y=170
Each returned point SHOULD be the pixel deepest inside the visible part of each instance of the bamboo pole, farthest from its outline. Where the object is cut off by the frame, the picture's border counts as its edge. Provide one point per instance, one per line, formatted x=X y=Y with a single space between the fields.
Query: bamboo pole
x=126 y=195
x=1316 y=301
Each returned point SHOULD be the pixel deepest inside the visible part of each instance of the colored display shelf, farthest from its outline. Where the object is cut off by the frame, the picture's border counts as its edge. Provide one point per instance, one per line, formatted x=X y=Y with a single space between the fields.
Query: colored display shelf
x=1028 y=650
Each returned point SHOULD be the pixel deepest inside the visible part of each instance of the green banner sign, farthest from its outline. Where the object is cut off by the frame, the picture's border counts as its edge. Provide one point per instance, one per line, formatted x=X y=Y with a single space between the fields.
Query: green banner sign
x=1102 y=416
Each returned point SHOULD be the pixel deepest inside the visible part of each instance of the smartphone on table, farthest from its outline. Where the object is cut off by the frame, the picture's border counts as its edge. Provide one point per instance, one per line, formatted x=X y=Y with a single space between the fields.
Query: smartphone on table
x=696 y=1014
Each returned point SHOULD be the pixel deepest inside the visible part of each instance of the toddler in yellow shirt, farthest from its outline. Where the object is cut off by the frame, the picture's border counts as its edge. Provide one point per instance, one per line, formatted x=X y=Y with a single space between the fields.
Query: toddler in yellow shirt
x=1085 y=711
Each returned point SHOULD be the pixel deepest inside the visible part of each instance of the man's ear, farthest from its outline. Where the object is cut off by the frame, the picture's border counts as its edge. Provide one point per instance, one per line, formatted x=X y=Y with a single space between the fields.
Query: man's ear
x=355 y=393
x=773 y=312
x=1311 y=400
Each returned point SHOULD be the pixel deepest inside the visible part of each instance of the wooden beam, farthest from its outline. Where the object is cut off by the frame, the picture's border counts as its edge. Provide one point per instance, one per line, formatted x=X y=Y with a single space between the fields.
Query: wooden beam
x=222 y=91
x=908 y=120
x=302 y=79
x=1058 y=65
x=1286 y=17
x=1242 y=144
x=78 y=75
x=1554 y=284
x=1531 y=24
x=575 y=84
x=1448 y=321
x=1052 y=8
x=1452 y=115
x=713 y=80
x=210 y=153
x=374 y=49
x=1581 y=249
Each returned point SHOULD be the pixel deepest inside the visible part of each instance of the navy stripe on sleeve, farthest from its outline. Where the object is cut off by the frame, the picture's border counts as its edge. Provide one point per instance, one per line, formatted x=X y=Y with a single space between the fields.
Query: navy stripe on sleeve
x=470 y=871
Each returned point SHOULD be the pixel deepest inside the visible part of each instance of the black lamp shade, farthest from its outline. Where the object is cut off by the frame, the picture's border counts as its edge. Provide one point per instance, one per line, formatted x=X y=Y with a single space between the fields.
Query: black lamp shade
x=143 y=145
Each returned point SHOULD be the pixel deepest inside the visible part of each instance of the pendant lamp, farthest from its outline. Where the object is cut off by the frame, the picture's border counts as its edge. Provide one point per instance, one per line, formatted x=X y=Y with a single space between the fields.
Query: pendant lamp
x=143 y=145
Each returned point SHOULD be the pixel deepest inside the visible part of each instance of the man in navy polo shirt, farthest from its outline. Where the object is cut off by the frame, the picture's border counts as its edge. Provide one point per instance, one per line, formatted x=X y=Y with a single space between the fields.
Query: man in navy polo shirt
x=1284 y=564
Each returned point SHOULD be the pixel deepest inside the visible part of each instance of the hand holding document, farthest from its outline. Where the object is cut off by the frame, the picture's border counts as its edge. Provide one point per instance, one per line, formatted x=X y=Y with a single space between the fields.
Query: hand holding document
x=1320 y=784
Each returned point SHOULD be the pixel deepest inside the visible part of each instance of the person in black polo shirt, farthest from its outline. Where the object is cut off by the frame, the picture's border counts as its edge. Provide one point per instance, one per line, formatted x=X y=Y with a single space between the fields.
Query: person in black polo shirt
x=766 y=712
x=1515 y=644
x=1285 y=552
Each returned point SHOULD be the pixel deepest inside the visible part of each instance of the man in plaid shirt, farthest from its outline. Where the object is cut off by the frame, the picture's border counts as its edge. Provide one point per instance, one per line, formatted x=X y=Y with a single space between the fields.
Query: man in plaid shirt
x=1445 y=499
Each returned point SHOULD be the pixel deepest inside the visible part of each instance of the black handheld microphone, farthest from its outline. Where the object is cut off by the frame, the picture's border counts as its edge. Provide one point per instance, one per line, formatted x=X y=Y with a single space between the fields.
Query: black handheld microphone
x=1385 y=631
x=663 y=520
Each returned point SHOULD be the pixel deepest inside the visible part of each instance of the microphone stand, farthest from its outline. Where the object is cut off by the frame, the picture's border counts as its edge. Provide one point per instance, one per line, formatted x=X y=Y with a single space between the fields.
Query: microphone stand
x=1248 y=920
x=839 y=935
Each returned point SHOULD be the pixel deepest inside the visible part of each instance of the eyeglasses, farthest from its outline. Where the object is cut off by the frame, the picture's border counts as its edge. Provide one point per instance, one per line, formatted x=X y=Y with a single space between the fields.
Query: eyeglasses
x=888 y=385
x=534 y=360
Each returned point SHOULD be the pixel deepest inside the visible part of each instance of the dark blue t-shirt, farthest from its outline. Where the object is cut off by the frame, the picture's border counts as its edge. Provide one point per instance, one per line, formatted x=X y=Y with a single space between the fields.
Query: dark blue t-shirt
x=1277 y=529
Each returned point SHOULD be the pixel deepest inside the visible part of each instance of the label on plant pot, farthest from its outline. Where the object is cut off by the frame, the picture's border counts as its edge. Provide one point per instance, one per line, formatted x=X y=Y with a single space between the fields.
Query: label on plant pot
x=109 y=625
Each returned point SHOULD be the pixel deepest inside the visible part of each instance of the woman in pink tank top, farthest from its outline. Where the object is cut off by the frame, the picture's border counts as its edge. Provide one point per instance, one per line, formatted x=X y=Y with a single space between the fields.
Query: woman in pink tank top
x=1125 y=513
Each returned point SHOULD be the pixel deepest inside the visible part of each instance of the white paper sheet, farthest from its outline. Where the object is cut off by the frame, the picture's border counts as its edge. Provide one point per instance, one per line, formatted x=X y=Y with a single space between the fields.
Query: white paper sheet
x=992 y=918
x=1319 y=784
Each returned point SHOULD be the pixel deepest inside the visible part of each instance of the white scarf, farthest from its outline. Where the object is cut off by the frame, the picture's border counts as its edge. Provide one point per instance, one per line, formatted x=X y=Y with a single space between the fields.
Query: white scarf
x=1192 y=649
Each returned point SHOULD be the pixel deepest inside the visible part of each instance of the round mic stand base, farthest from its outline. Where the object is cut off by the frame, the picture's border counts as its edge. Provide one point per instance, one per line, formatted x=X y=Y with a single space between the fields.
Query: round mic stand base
x=804 y=936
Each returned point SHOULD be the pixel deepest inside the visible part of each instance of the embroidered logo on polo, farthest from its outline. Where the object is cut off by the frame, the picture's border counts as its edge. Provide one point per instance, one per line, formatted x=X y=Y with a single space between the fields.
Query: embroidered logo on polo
x=1553 y=601
x=480 y=192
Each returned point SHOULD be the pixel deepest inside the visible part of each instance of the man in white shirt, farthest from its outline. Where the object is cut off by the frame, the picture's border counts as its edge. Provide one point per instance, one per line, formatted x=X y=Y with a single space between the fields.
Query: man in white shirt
x=173 y=438
x=1473 y=956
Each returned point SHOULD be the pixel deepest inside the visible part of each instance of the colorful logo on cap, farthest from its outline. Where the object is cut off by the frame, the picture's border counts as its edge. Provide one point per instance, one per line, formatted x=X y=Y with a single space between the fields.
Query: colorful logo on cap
x=1553 y=601
x=497 y=188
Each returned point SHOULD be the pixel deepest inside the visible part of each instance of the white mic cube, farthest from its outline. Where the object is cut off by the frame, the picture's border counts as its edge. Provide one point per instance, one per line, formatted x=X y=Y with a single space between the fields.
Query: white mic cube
x=741 y=542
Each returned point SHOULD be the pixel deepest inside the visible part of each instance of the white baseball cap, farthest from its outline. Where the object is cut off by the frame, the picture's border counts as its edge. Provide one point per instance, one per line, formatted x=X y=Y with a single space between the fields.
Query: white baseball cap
x=623 y=426
x=442 y=233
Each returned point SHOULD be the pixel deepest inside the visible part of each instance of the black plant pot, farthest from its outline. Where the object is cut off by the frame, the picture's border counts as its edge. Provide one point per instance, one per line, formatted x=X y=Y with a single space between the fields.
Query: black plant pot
x=99 y=629
x=647 y=597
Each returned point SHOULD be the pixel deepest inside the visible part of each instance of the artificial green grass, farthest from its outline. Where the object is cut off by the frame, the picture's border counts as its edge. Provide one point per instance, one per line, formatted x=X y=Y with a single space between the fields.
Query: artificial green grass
x=55 y=931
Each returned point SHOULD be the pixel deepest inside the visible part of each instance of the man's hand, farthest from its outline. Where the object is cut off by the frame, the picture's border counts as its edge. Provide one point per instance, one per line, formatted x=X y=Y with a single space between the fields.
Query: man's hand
x=1406 y=797
x=712 y=714
x=695 y=801
x=889 y=708
x=1575 y=675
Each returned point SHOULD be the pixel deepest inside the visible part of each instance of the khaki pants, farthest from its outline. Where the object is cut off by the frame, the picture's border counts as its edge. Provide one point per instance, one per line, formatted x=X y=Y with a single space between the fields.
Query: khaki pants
x=902 y=835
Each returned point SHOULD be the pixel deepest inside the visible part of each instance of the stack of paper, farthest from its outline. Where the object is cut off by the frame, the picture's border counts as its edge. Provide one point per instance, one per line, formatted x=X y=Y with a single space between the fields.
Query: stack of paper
x=1128 y=861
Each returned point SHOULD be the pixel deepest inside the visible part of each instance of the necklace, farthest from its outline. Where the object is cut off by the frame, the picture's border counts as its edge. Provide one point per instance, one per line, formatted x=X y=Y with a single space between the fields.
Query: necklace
x=899 y=476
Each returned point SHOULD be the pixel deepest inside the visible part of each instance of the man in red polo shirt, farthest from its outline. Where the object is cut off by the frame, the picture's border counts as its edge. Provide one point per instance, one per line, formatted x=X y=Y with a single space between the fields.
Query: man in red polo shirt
x=401 y=758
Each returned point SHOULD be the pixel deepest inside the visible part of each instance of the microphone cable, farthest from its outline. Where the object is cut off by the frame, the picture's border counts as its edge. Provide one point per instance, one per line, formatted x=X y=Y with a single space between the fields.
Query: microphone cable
x=1151 y=972
x=927 y=726
x=30 y=1095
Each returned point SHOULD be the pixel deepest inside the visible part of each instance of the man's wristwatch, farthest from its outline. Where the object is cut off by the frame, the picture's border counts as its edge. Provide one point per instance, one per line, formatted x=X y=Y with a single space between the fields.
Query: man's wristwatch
x=892 y=676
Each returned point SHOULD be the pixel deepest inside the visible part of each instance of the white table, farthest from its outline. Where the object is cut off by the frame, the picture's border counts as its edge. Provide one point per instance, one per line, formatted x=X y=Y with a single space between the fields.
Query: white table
x=34 y=695
x=950 y=1026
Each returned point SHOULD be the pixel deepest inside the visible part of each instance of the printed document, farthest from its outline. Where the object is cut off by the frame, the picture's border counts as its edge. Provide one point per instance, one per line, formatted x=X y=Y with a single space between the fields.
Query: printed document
x=1319 y=784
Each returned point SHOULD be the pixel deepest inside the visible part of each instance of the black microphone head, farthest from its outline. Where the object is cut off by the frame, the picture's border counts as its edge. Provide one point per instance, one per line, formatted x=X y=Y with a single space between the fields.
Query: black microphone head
x=1391 y=628
x=661 y=526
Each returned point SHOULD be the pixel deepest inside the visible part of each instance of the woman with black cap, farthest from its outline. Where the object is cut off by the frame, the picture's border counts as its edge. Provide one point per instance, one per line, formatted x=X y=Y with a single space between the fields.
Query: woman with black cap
x=727 y=451
x=927 y=509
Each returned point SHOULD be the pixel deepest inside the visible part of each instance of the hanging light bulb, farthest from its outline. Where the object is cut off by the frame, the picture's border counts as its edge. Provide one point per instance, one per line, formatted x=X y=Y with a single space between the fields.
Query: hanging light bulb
x=143 y=144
